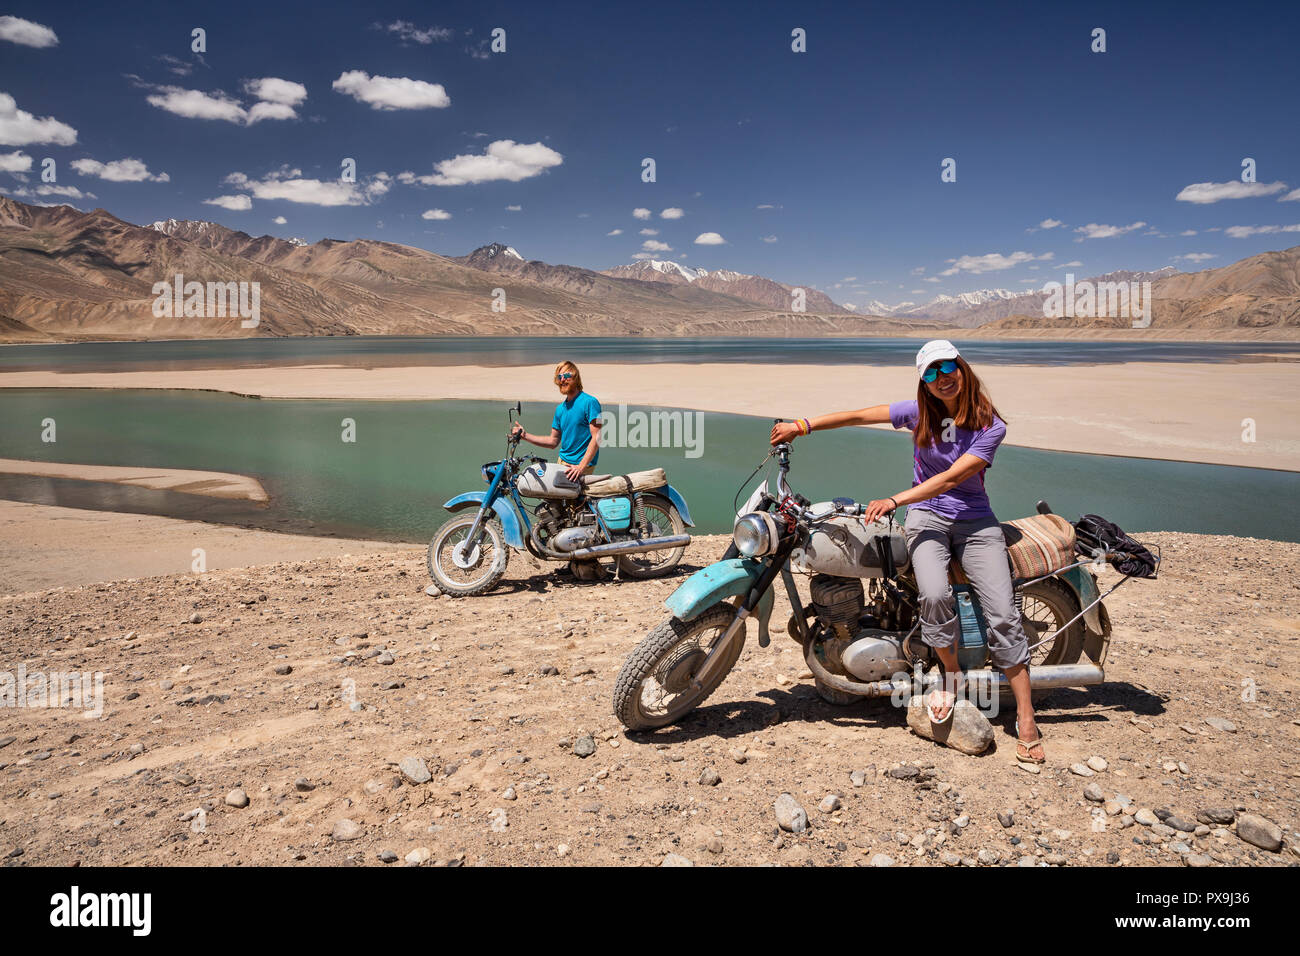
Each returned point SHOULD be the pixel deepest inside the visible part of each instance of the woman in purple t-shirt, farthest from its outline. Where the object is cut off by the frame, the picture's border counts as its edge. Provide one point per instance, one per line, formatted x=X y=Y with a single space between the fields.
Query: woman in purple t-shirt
x=956 y=432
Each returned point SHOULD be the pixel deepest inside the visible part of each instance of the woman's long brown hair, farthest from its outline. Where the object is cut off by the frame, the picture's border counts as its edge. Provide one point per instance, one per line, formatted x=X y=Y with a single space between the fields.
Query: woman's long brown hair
x=974 y=408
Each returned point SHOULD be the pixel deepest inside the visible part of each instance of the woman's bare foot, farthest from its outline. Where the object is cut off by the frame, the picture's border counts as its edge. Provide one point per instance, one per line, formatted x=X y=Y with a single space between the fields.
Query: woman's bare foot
x=1029 y=742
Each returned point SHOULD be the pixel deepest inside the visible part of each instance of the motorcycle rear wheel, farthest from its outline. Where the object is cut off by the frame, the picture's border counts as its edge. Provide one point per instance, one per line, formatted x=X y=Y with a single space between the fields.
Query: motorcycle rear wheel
x=664 y=520
x=654 y=687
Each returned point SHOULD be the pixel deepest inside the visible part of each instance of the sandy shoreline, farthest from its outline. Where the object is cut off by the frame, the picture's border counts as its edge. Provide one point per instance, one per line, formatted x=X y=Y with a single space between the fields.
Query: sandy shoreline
x=1176 y=411
x=213 y=484
x=42 y=546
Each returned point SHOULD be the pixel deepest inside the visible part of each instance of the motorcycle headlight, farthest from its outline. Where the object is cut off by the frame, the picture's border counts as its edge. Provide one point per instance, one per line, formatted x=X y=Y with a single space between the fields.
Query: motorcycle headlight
x=755 y=534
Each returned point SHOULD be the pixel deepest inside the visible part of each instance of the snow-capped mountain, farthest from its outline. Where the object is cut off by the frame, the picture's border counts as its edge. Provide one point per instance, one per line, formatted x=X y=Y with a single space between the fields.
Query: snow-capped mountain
x=757 y=289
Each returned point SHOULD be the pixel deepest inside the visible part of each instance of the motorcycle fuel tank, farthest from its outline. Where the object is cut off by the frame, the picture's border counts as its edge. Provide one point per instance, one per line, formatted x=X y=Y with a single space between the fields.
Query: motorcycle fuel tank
x=845 y=548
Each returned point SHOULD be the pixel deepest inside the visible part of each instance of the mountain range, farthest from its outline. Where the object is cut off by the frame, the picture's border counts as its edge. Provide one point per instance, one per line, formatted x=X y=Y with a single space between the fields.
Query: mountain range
x=68 y=274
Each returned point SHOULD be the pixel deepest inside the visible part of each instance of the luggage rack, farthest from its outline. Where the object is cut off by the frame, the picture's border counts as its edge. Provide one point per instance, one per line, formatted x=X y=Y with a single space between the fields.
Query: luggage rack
x=1095 y=559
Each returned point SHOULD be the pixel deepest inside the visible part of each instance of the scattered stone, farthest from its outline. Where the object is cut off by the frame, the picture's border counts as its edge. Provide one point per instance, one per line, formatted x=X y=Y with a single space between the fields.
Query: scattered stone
x=1029 y=767
x=237 y=798
x=1094 y=793
x=6 y=741
x=385 y=658
x=1098 y=764
x=789 y=815
x=184 y=779
x=584 y=747
x=1146 y=817
x=857 y=778
x=880 y=859
x=1082 y=769
x=948 y=858
x=509 y=794
x=1007 y=819
x=988 y=857
x=345 y=829
x=1222 y=724
x=283 y=669
x=830 y=803
x=421 y=854
x=739 y=756
x=1055 y=859
x=1178 y=823
x=1198 y=860
x=1259 y=832
x=415 y=770
x=714 y=845
x=676 y=859
x=498 y=821
x=905 y=772
x=196 y=618
x=967 y=731
x=166 y=685
x=1219 y=815
x=387 y=856
x=710 y=778
x=303 y=785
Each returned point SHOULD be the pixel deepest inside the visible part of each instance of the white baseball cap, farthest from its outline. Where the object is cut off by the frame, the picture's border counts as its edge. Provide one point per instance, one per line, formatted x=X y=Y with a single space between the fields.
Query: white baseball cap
x=933 y=351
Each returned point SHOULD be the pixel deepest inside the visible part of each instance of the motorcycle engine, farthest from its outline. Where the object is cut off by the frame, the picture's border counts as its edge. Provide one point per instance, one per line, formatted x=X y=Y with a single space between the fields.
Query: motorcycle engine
x=866 y=653
x=571 y=539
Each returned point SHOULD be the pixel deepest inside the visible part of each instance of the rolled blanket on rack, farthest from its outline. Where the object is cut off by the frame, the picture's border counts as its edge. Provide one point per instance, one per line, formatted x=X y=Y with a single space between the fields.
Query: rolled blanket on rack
x=601 y=485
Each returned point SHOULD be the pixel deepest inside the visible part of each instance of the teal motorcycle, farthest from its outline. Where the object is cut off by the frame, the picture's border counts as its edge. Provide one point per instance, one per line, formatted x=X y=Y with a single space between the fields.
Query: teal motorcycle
x=858 y=642
x=638 y=520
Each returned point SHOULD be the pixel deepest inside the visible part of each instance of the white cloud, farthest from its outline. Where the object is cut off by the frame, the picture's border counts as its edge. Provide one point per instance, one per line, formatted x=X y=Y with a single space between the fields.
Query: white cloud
x=119 y=171
x=270 y=111
x=1243 y=232
x=1292 y=196
x=438 y=214
x=1188 y=232
x=406 y=30
x=1235 y=189
x=20 y=128
x=195 y=104
x=1072 y=264
x=767 y=238
x=930 y=279
x=614 y=232
x=27 y=33
x=502 y=160
x=15 y=162
x=654 y=245
x=289 y=185
x=765 y=205
x=709 y=239
x=514 y=208
x=672 y=212
x=233 y=203
x=649 y=232
x=391 y=92
x=640 y=213
x=991 y=262
x=279 y=220
x=46 y=189
x=1197 y=256
x=1098 y=231
x=275 y=90
x=643 y=255
x=1050 y=224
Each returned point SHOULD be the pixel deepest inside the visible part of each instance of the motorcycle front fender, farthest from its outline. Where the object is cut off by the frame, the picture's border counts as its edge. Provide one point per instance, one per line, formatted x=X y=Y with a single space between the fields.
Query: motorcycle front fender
x=679 y=503
x=1085 y=587
x=509 y=520
x=726 y=579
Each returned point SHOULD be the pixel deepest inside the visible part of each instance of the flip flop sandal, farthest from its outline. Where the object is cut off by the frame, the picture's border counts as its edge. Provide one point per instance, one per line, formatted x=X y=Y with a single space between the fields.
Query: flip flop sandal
x=1028 y=745
x=957 y=693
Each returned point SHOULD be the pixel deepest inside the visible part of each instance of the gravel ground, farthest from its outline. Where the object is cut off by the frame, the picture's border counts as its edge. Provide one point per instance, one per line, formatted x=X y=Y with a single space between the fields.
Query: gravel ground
x=329 y=712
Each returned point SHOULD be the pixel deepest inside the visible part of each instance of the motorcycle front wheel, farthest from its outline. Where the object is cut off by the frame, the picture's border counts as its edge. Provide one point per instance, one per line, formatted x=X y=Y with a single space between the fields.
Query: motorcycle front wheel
x=464 y=574
x=655 y=687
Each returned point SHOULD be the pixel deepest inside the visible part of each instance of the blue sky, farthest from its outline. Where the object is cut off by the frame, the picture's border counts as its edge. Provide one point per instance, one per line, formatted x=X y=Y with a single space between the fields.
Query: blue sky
x=820 y=167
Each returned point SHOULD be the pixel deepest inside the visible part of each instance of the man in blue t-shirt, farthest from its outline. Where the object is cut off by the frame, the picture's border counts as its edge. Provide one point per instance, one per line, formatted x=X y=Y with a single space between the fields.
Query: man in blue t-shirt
x=575 y=429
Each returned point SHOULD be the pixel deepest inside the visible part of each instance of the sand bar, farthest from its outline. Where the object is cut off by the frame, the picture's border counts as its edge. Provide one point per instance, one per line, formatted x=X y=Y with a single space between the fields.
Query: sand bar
x=43 y=546
x=214 y=484
x=1177 y=411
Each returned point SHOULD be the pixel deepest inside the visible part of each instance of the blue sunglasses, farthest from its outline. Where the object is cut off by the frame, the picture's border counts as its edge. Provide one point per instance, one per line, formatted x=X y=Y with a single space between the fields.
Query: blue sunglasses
x=947 y=367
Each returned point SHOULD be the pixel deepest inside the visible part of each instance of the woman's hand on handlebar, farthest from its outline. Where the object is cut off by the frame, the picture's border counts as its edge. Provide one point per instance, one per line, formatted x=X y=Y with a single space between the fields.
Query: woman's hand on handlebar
x=876 y=509
x=516 y=432
x=784 y=432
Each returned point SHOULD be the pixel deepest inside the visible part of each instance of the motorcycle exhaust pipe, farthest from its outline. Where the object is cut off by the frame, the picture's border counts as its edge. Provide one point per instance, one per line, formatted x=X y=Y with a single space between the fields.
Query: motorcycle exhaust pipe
x=1040 y=678
x=629 y=547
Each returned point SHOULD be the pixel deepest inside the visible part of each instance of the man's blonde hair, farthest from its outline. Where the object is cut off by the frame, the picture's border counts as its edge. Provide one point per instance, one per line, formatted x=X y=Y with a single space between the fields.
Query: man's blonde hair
x=567 y=366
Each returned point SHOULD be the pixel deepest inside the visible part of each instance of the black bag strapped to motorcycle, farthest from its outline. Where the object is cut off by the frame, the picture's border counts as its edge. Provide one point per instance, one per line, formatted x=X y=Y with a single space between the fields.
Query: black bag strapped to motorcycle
x=1097 y=537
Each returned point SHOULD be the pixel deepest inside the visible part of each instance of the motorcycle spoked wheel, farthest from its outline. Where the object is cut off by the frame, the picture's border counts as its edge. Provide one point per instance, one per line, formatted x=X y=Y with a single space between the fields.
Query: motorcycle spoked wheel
x=1047 y=605
x=664 y=520
x=654 y=687
x=483 y=569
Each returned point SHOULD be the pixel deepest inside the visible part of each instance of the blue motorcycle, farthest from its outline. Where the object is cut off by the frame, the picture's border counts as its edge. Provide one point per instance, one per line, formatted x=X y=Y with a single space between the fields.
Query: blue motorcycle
x=638 y=520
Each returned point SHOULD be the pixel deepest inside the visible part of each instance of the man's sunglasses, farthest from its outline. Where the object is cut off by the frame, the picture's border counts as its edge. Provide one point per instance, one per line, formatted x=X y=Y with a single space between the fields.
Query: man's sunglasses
x=947 y=367
x=564 y=376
